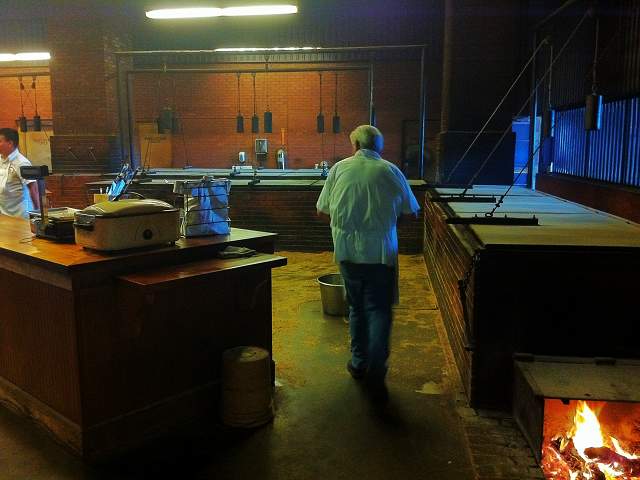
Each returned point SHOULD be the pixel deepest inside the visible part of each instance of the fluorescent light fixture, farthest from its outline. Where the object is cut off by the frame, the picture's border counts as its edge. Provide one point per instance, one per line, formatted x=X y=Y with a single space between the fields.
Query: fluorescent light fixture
x=33 y=56
x=204 y=12
x=27 y=56
x=166 y=13
x=265 y=49
x=259 y=10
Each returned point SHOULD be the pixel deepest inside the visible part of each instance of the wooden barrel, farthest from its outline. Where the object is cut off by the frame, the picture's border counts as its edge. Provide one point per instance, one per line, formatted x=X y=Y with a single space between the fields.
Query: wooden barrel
x=247 y=399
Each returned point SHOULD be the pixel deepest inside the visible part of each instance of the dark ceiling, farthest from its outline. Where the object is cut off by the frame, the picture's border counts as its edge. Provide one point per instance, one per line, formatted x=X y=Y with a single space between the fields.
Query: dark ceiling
x=318 y=23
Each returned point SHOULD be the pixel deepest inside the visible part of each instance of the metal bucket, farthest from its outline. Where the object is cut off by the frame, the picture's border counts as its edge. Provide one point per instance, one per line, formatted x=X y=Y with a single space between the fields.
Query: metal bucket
x=333 y=294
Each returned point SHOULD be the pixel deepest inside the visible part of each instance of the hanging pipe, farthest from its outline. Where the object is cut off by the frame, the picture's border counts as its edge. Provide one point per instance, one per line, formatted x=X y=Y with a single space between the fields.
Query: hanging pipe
x=22 y=120
x=239 y=117
x=423 y=115
x=289 y=52
x=549 y=115
x=268 y=116
x=593 y=101
x=37 y=122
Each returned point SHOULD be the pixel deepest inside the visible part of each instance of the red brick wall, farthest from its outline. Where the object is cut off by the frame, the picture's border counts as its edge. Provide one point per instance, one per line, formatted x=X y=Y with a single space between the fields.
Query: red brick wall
x=83 y=89
x=10 y=96
x=69 y=190
x=292 y=215
x=207 y=107
x=78 y=76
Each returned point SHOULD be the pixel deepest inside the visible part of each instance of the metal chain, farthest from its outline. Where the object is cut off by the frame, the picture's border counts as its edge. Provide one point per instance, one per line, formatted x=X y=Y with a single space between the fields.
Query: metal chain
x=467 y=276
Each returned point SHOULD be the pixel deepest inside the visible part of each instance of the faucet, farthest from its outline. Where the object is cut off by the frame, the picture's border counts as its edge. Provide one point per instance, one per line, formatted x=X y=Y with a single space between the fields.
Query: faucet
x=255 y=180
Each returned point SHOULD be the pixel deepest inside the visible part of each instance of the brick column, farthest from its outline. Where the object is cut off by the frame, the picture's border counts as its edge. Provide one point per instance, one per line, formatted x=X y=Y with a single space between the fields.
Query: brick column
x=83 y=89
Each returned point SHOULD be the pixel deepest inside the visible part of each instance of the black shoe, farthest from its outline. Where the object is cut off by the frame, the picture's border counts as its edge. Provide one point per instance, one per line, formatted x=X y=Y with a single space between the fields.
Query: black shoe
x=356 y=373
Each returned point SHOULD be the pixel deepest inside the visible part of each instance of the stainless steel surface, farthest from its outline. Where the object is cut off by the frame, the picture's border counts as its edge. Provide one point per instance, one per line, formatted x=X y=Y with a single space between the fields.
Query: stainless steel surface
x=205 y=206
x=317 y=49
x=333 y=295
x=111 y=226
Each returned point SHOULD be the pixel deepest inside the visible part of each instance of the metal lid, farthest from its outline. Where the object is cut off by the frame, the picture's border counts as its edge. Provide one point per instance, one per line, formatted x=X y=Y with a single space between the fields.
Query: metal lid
x=126 y=208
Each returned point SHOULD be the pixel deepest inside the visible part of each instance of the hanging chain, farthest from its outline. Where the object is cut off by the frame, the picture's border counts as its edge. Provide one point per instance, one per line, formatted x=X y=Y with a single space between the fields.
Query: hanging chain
x=462 y=289
x=550 y=75
x=266 y=79
x=35 y=93
x=493 y=114
x=502 y=197
x=595 y=58
x=464 y=283
x=526 y=102
x=21 y=100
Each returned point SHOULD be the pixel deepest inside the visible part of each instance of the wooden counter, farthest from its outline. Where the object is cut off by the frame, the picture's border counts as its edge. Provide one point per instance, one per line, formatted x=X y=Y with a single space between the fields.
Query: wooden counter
x=285 y=205
x=108 y=350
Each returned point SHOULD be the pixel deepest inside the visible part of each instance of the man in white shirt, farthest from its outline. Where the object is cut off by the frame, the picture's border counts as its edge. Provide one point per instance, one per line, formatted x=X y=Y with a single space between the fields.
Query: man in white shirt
x=17 y=195
x=364 y=195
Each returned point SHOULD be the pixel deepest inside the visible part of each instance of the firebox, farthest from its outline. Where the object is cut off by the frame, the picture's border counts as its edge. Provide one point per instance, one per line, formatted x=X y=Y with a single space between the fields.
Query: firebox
x=580 y=416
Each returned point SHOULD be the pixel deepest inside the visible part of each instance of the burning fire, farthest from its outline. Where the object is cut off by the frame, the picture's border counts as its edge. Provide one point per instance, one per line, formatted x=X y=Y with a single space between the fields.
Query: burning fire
x=585 y=453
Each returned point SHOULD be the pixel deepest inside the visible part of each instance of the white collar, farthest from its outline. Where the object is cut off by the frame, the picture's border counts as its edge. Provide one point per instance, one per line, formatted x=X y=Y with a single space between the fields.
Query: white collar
x=12 y=156
x=368 y=153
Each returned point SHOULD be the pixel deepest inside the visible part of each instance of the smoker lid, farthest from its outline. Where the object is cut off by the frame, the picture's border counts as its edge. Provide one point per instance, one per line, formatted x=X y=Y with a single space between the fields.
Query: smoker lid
x=126 y=208
x=583 y=378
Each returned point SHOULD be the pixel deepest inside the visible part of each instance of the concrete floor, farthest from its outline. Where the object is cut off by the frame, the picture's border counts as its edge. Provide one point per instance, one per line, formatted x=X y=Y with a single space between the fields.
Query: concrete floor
x=325 y=425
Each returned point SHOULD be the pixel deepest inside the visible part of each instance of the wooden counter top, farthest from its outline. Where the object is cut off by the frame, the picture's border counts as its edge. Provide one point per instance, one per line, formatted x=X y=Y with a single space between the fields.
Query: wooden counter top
x=17 y=240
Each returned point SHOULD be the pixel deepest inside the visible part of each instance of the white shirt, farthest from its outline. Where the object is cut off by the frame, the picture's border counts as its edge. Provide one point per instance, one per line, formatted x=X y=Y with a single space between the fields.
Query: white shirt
x=14 y=194
x=365 y=195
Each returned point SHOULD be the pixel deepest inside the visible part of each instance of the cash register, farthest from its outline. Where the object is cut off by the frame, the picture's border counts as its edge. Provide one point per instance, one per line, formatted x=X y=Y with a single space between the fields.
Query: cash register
x=51 y=223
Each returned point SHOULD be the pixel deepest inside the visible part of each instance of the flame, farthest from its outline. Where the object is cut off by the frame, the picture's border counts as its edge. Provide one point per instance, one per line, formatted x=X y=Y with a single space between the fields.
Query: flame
x=620 y=450
x=587 y=432
x=566 y=458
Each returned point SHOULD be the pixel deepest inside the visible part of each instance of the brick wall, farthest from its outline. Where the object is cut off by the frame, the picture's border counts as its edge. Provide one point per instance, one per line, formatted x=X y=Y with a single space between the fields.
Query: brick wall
x=84 y=153
x=77 y=77
x=69 y=190
x=206 y=105
x=10 y=95
x=83 y=86
x=292 y=215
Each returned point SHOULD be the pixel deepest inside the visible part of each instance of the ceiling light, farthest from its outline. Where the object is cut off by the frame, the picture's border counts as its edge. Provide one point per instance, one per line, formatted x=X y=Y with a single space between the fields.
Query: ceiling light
x=259 y=10
x=204 y=12
x=264 y=49
x=33 y=56
x=166 y=13
x=28 y=56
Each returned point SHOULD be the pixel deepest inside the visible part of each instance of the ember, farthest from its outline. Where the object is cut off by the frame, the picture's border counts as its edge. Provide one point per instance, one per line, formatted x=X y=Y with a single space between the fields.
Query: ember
x=583 y=451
